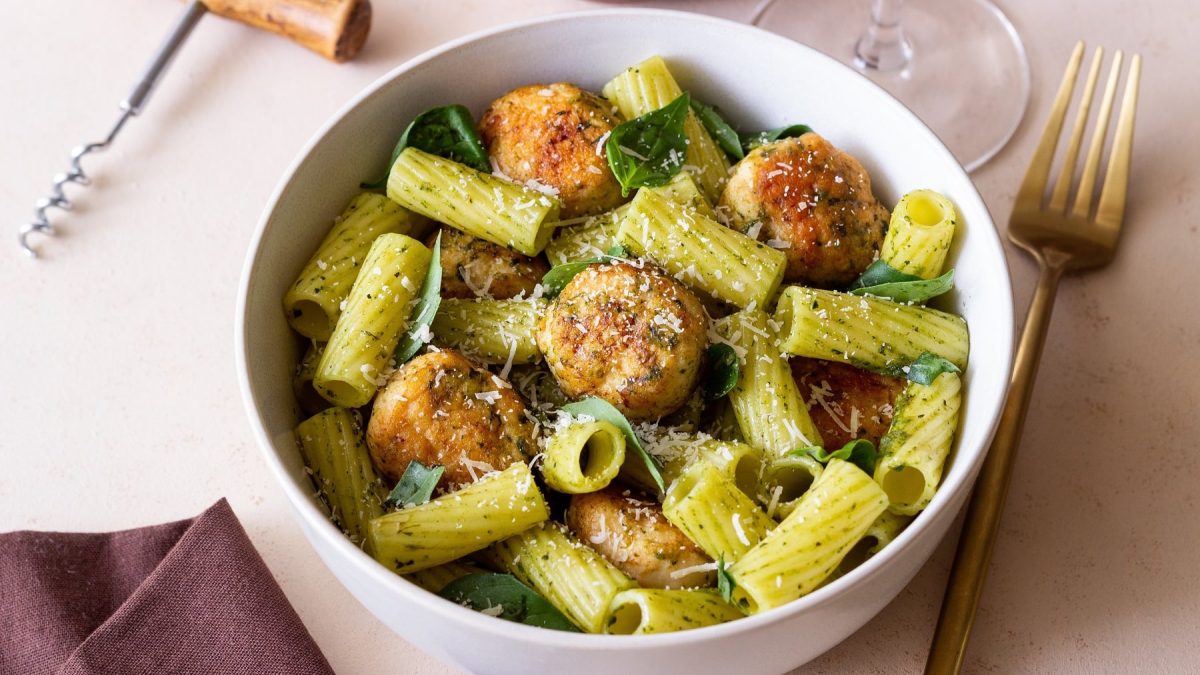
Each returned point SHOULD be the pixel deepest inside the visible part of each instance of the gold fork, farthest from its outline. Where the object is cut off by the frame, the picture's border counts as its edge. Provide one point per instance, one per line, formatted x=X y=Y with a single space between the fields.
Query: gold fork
x=1059 y=240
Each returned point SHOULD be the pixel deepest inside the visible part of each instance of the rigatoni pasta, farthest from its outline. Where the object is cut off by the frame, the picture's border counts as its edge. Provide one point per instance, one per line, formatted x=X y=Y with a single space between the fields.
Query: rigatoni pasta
x=477 y=203
x=644 y=398
x=331 y=443
x=495 y=507
x=573 y=577
x=434 y=579
x=769 y=410
x=649 y=86
x=583 y=457
x=865 y=331
x=590 y=239
x=920 y=233
x=785 y=480
x=915 y=448
x=313 y=303
x=377 y=310
x=492 y=331
x=810 y=543
x=714 y=513
x=723 y=263
x=643 y=611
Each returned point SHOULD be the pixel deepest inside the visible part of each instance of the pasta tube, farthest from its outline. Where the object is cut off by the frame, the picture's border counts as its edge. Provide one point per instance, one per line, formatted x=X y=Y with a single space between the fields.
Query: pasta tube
x=739 y=462
x=641 y=611
x=313 y=303
x=701 y=252
x=573 y=577
x=495 y=507
x=810 y=543
x=649 y=86
x=434 y=579
x=766 y=402
x=785 y=481
x=376 y=312
x=598 y=234
x=885 y=528
x=881 y=533
x=584 y=457
x=920 y=233
x=683 y=191
x=914 y=450
x=331 y=443
x=493 y=331
x=865 y=331
x=477 y=203
x=710 y=509
x=723 y=422
x=590 y=239
x=309 y=400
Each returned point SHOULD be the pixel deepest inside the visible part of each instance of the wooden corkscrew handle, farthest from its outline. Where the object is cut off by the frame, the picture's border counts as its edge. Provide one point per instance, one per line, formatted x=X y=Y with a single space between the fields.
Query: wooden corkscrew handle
x=335 y=29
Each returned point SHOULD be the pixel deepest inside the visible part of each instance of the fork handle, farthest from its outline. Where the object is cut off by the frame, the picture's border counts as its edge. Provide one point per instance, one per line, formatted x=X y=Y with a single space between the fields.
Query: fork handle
x=978 y=536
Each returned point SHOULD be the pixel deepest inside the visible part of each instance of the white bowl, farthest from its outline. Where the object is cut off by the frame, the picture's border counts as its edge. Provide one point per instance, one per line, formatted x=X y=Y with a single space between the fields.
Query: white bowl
x=760 y=81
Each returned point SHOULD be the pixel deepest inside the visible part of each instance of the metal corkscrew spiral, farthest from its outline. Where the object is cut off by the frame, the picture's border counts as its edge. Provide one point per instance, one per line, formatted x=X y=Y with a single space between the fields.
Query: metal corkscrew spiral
x=130 y=107
x=58 y=199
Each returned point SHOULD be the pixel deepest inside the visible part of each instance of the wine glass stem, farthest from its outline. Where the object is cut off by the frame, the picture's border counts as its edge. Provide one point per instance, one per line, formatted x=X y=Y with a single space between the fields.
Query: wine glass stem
x=883 y=47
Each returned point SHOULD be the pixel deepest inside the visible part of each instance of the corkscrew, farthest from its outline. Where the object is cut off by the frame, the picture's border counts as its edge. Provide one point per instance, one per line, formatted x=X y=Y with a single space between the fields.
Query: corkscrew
x=336 y=29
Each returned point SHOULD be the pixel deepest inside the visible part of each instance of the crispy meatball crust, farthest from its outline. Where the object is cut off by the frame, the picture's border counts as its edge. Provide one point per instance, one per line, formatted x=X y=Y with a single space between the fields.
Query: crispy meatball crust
x=816 y=199
x=632 y=534
x=549 y=133
x=473 y=267
x=630 y=335
x=430 y=411
x=859 y=402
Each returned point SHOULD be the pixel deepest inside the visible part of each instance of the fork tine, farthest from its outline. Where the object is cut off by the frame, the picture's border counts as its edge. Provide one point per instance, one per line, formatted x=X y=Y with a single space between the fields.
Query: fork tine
x=1087 y=184
x=1062 y=186
x=1111 y=210
x=1034 y=184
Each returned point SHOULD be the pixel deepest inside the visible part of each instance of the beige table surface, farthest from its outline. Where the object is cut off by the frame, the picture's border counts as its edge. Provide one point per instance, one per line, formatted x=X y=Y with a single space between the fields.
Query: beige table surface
x=119 y=403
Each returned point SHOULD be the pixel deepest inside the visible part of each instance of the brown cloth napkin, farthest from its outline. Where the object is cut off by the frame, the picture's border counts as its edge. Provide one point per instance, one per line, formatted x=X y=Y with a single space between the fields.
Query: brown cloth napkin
x=186 y=597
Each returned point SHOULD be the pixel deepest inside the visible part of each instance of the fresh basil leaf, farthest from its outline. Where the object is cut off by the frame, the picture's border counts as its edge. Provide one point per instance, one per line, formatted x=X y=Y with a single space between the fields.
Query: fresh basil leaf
x=719 y=129
x=723 y=371
x=598 y=408
x=415 y=487
x=925 y=369
x=649 y=150
x=752 y=141
x=417 y=334
x=879 y=273
x=910 y=291
x=725 y=582
x=859 y=452
x=447 y=131
x=517 y=602
x=882 y=280
x=560 y=275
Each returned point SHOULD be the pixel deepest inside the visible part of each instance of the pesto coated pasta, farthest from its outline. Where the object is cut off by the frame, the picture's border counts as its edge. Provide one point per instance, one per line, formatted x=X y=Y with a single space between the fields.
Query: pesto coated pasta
x=651 y=438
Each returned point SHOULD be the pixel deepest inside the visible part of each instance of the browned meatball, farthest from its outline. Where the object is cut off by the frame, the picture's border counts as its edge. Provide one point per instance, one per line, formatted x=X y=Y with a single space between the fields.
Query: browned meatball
x=630 y=335
x=633 y=535
x=440 y=408
x=475 y=268
x=814 y=202
x=857 y=402
x=551 y=133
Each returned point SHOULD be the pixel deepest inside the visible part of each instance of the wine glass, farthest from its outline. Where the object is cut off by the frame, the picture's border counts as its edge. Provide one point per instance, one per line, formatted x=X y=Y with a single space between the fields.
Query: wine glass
x=958 y=64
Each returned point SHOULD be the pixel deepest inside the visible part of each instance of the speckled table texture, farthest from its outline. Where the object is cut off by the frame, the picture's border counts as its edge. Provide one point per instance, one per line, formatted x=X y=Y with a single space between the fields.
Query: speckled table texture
x=119 y=401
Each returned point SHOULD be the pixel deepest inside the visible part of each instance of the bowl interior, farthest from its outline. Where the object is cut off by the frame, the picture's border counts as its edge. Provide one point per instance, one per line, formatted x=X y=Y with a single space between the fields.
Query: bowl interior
x=758 y=80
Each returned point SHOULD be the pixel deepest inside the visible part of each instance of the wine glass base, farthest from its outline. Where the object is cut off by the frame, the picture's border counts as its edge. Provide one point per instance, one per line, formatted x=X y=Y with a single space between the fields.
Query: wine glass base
x=968 y=78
